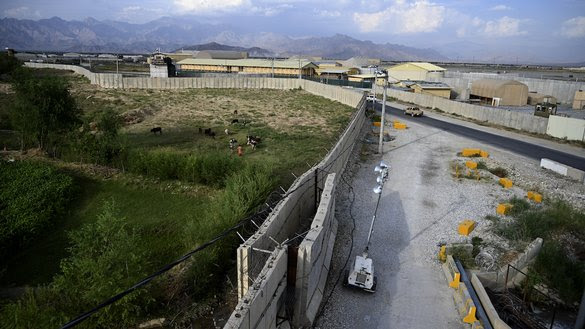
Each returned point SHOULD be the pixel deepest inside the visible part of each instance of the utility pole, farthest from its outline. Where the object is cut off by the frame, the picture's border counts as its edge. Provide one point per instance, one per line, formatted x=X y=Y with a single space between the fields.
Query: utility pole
x=273 y=67
x=381 y=140
x=300 y=76
x=117 y=70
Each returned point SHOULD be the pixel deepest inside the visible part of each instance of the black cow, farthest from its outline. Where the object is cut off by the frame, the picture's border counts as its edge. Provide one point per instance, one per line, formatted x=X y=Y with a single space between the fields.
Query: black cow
x=235 y=121
x=156 y=130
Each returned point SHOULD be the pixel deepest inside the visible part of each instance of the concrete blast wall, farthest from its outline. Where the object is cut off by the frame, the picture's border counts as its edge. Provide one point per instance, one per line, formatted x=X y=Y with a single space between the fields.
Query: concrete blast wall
x=259 y=307
x=299 y=205
x=314 y=257
x=564 y=91
x=502 y=117
x=569 y=128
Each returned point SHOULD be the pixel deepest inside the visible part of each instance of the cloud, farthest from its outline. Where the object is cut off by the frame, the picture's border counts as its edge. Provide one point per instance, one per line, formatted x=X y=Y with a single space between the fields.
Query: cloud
x=503 y=27
x=327 y=13
x=139 y=14
x=500 y=8
x=403 y=17
x=574 y=27
x=22 y=13
x=211 y=6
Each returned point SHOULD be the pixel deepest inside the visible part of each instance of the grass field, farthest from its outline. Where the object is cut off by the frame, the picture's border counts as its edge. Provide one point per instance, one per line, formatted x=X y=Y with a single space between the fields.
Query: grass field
x=173 y=216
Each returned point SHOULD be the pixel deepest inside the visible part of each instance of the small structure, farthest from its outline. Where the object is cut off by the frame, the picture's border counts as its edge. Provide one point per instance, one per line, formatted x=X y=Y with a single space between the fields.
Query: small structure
x=361 y=77
x=416 y=71
x=535 y=98
x=439 y=89
x=500 y=92
x=579 y=100
x=161 y=66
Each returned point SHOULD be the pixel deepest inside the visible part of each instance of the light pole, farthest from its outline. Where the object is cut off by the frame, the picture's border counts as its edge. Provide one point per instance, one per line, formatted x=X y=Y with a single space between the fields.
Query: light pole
x=382 y=121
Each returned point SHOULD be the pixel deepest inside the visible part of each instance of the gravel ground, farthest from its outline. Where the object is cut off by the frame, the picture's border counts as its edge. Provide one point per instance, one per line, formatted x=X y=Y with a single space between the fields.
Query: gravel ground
x=422 y=204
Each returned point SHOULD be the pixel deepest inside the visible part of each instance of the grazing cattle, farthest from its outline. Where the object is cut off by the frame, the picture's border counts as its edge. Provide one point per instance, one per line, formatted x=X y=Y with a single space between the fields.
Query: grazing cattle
x=235 y=112
x=253 y=140
x=227 y=132
x=212 y=134
x=207 y=131
x=235 y=121
x=156 y=130
x=200 y=130
x=233 y=143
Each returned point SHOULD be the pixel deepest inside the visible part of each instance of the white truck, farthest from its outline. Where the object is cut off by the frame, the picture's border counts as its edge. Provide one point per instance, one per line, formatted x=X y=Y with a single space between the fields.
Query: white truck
x=413 y=112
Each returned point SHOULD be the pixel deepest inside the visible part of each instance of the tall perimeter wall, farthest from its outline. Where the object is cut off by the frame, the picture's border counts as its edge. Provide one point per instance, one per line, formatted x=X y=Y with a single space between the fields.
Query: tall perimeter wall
x=498 y=116
x=564 y=91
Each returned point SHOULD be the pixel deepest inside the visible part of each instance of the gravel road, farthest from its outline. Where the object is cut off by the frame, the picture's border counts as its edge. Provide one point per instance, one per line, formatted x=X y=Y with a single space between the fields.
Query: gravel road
x=422 y=204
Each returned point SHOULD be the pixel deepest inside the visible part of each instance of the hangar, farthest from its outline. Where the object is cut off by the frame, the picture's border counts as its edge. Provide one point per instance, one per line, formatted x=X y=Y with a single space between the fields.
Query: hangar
x=499 y=92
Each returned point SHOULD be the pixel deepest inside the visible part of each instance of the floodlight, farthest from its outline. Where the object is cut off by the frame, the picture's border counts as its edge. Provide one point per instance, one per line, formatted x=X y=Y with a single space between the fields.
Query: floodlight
x=379 y=180
x=378 y=189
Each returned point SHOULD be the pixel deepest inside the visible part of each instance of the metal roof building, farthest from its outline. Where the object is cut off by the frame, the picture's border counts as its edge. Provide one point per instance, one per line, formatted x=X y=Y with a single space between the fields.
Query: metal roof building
x=415 y=71
x=509 y=92
x=249 y=66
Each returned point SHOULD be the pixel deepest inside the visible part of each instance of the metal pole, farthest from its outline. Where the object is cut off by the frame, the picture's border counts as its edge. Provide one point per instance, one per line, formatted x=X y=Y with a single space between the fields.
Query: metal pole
x=580 y=323
x=381 y=140
x=116 y=64
x=373 y=219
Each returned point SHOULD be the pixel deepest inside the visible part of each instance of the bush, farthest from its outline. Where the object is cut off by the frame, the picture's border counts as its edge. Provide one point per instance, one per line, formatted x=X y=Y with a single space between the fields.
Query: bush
x=32 y=196
x=102 y=145
x=210 y=169
x=105 y=259
x=554 y=222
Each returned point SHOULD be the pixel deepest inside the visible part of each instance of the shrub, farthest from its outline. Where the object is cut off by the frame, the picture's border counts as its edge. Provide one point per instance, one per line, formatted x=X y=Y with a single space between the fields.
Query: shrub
x=105 y=259
x=481 y=165
x=32 y=196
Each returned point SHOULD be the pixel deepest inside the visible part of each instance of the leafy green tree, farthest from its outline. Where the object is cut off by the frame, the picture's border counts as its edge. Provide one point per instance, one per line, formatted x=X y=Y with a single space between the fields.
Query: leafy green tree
x=7 y=63
x=44 y=111
x=99 y=141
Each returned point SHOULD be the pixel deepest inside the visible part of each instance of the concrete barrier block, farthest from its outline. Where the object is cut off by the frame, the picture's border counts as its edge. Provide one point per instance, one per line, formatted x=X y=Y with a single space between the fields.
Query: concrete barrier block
x=505 y=182
x=471 y=152
x=503 y=209
x=471 y=164
x=484 y=154
x=466 y=227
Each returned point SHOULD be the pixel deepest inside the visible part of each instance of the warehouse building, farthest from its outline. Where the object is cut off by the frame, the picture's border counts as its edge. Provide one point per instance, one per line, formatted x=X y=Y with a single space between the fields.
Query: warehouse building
x=416 y=71
x=249 y=66
x=439 y=89
x=499 y=92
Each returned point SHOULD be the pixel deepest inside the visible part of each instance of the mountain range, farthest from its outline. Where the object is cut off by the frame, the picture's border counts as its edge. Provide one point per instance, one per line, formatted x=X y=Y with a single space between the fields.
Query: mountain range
x=166 y=33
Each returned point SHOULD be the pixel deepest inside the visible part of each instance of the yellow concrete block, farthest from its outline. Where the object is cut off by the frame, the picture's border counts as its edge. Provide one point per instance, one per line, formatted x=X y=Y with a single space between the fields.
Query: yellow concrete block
x=506 y=183
x=537 y=197
x=503 y=209
x=530 y=195
x=466 y=227
x=471 y=164
x=443 y=253
x=399 y=126
x=484 y=154
x=377 y=124
x=470 y=152
x=470 y=317
x=456 y=280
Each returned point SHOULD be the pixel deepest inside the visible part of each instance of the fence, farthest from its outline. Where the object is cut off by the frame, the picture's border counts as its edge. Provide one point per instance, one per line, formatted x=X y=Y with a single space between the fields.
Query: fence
x=497 y=116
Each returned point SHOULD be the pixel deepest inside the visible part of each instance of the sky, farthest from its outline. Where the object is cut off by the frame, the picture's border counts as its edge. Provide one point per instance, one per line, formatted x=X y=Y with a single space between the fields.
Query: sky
x=502 y=31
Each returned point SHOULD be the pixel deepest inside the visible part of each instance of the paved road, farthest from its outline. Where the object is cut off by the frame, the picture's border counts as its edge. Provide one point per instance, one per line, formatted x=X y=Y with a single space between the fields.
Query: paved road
x=529 y=150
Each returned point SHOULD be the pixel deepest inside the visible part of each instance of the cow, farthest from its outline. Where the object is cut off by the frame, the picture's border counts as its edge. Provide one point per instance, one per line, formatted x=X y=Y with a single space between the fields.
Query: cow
x=233 y=143
x=156 y=130
x=253 y=140
x=235 y=112
x=235 y=121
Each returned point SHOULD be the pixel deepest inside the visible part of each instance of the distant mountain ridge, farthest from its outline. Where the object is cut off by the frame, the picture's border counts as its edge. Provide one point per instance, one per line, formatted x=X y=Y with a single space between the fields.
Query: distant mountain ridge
x=170 y=33
x=253 y=51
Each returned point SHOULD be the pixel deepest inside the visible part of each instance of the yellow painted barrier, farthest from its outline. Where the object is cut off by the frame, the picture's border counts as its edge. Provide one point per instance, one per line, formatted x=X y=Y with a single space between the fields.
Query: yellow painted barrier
x=470 y=152
x=456 y=280
x=466 y=227
x=470 y=317
x=399 y=125
x=484 y=154
x=534 y=196
x=503 y=209
x=443 y=253
x=377 y=124
x=471 y=164
x=537 y=197
x=506 y=183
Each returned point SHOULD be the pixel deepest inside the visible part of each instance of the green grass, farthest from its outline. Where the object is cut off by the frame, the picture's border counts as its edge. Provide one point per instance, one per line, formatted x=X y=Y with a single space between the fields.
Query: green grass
x=159 y=215
x=561 y=262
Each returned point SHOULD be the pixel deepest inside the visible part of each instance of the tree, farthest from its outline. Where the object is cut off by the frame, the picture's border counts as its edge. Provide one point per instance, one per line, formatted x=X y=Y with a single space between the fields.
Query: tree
x=44 y=111
x=99 y=141
x=7 y=63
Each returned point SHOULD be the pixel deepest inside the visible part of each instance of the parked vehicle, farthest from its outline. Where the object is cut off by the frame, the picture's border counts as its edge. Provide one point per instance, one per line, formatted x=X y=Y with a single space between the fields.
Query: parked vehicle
x=371 y=98
x=545 y=109
x=413 y=111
